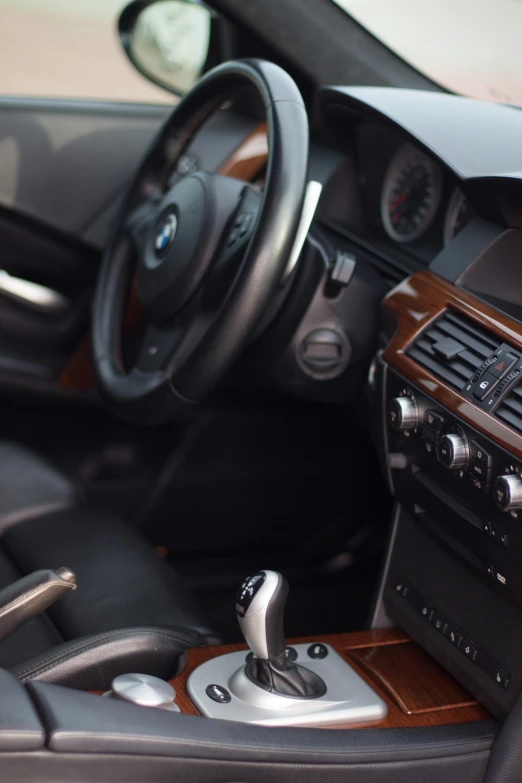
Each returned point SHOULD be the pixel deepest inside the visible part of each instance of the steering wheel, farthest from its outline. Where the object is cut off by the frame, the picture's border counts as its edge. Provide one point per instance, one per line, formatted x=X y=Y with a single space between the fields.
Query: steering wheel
x=210 y=251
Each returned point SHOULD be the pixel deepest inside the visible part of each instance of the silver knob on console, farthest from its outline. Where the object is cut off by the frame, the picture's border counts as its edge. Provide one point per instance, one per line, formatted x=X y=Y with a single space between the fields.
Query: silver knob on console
x=144 y=690
x=403 y=413
x=508 y=492
x=454 y=451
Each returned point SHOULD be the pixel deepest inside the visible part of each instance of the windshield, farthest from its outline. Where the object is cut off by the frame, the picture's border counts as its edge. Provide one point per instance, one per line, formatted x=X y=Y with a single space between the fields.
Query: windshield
x=471 y=47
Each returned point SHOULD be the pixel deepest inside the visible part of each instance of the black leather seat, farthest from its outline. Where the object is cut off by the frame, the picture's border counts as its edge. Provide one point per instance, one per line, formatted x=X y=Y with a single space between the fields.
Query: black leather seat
x=30 y=486
x=131 y=611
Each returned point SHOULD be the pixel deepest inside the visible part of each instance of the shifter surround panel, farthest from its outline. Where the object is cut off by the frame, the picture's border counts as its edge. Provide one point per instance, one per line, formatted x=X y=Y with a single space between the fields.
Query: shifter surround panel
x=348 y=698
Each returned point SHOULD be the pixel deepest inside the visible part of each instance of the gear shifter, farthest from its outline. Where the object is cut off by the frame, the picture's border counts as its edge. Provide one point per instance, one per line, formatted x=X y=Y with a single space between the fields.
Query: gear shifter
x=260 y=607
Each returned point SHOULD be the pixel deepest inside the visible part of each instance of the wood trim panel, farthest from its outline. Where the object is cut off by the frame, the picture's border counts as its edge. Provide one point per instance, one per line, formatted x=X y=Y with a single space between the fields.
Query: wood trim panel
x=416 y=302
x=417 y=690
x=412 y=678
x=78 y=373
x=250 y=158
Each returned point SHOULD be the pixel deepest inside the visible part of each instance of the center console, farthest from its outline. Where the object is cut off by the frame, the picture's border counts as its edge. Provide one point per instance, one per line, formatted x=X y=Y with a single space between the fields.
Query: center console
x=448 y=383
x=375 y=679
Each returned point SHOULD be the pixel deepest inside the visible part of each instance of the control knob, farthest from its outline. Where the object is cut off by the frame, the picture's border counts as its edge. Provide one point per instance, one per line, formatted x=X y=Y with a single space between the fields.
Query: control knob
x=453 y=451
x=403 y=413
x=144 y=690
x=508 y=492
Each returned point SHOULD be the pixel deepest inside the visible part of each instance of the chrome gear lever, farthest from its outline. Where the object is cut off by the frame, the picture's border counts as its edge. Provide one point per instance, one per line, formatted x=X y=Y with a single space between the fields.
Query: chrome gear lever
x=260 y=608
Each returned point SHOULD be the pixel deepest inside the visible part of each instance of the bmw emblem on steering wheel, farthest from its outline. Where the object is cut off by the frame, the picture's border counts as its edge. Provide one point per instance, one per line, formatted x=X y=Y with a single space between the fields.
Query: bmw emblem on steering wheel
x=165 y=234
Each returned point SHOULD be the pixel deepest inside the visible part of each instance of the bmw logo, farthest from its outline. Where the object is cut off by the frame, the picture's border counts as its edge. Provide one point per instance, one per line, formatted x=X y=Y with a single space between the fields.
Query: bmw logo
x=165 y=234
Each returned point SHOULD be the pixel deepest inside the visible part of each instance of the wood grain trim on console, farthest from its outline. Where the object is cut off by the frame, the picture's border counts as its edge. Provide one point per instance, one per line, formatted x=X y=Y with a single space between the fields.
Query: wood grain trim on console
x=440 y=702
x=416 y=302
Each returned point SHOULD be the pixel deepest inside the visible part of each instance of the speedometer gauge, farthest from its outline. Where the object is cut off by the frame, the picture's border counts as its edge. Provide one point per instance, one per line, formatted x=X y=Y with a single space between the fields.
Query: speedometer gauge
x=411 y=194
x=458 y=215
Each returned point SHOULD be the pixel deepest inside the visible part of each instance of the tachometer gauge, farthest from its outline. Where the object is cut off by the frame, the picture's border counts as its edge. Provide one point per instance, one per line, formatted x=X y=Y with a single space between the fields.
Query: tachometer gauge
x=458 y=215
x=411 y=194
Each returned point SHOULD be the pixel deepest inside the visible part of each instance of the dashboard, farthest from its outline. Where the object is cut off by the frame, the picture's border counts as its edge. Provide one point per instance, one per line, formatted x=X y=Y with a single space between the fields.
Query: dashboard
x=432 y=184
x=408 y=204
x=407 y=185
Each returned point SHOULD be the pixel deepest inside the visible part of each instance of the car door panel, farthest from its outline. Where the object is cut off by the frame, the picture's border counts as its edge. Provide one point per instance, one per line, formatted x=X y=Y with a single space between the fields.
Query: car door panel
x=64 y=167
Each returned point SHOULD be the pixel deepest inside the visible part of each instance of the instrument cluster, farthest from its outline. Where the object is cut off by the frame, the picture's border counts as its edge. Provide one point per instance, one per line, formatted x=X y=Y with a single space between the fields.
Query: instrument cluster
x=412 y=197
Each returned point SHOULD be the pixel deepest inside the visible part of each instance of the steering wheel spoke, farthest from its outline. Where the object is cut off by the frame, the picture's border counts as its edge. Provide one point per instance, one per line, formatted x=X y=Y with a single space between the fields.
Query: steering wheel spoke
x=138 y=223
x=242 y=223
x=157 y=347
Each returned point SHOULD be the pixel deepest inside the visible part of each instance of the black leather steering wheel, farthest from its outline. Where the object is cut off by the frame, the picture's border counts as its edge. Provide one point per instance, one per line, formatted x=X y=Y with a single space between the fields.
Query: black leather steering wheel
x=210 y=252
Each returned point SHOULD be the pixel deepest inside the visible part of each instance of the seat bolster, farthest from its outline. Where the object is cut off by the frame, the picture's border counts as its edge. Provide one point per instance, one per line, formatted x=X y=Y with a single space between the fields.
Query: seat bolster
x=92 y=662
x=122 y=581
x=31 y=487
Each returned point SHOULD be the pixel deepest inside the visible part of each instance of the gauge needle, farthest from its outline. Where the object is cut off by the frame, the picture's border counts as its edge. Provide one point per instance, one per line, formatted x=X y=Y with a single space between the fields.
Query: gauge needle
x=394 y=211
x=397 y=202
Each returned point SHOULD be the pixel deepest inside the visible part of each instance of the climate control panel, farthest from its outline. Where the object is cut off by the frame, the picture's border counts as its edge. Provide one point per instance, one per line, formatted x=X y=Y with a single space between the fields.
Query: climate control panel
x=459 y=483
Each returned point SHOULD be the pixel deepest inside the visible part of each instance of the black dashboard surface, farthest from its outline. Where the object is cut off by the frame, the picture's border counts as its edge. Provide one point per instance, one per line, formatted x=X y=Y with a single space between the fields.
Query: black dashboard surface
x=428 y=162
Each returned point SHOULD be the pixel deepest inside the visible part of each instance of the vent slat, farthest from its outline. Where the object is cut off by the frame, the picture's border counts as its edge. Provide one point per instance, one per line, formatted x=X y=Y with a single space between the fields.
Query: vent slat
x=481 y=335
x=483 y=350
x=510 y=418
x=437 y=369
x=477 y=346
x=434 y=335
x=466 y=361
x=471 y=358
x=514 y=405
x=457 y=366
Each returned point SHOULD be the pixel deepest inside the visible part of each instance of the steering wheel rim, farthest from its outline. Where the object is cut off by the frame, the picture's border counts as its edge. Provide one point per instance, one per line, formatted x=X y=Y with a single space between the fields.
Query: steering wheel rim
x=161 y=392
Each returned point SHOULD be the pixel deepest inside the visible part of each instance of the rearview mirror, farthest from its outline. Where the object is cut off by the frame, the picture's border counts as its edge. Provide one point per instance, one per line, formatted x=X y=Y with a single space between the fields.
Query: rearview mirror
x=168 y=41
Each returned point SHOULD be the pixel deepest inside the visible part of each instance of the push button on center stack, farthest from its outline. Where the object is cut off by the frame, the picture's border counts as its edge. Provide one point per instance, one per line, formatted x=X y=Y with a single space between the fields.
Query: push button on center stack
x=432 y=426
x=480 y=466
x=503 y=365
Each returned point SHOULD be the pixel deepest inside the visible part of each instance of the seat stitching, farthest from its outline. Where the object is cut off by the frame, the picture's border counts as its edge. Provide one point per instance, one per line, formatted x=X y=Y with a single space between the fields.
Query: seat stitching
x=34 y=591
x=85 y=647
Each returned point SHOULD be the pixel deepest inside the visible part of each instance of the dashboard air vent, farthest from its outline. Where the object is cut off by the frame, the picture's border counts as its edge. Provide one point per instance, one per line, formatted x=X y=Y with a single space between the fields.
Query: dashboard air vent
x=510 y=410
x=453 y=348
